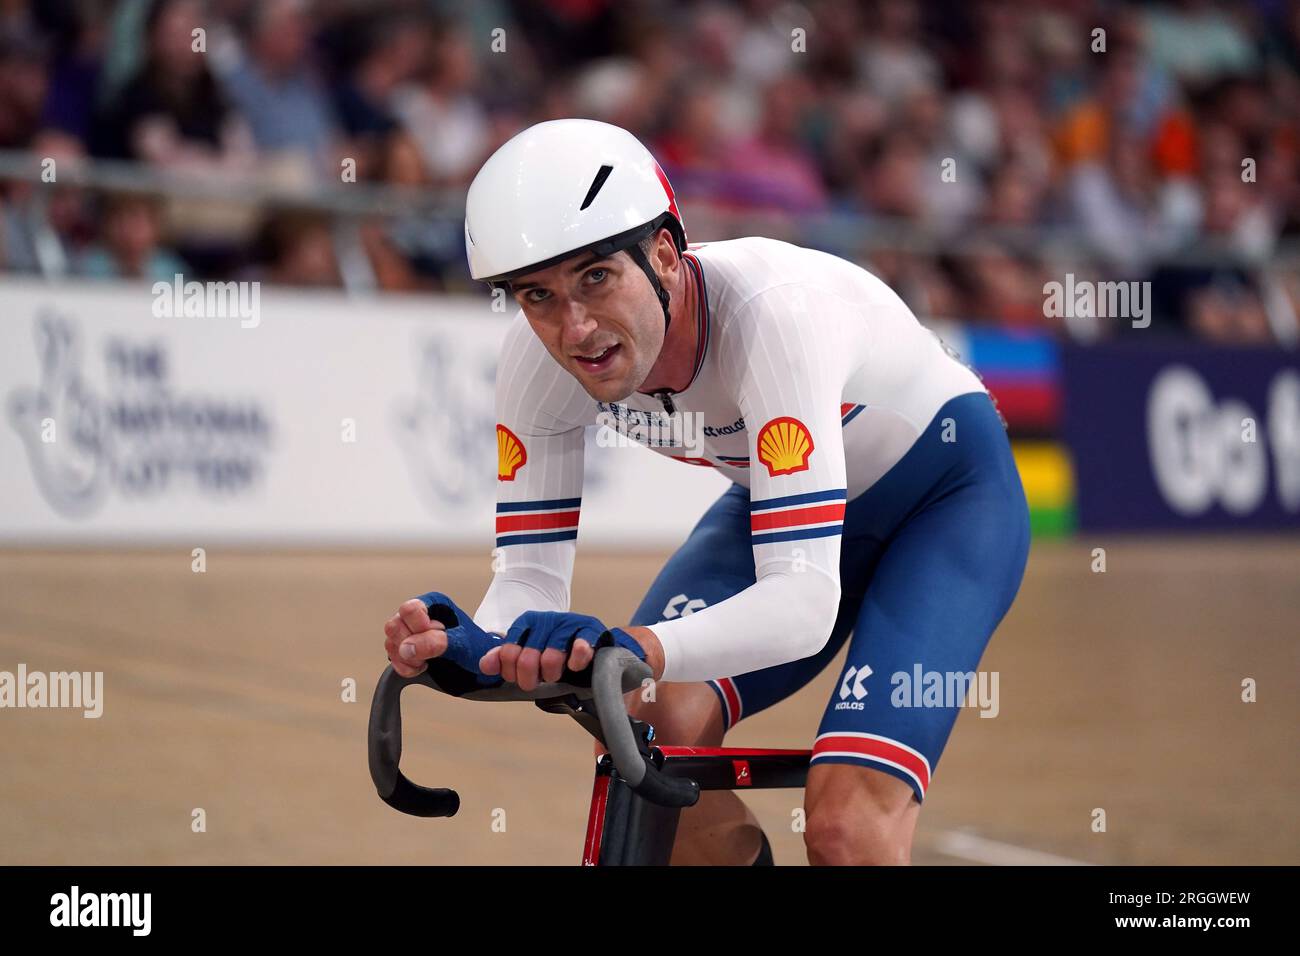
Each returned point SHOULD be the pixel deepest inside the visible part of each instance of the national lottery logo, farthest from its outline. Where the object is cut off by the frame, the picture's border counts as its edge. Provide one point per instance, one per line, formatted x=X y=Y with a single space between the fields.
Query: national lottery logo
x=448 y=434
x=138 y=435
x=441 y=426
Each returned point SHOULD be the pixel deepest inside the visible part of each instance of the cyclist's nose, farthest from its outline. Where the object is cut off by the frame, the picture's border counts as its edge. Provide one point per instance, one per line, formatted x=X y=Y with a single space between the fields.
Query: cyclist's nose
x=576 y=324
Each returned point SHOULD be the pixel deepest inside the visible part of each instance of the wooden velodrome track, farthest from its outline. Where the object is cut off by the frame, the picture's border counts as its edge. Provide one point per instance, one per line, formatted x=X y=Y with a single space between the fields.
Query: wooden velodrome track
x=1119 y=691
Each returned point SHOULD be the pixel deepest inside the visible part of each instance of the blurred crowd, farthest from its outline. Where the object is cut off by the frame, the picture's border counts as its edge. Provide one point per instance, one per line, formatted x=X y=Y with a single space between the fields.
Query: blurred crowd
x=968 y=152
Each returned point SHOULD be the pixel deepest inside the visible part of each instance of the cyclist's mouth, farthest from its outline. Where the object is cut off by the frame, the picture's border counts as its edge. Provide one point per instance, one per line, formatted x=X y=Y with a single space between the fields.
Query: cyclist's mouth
x=599 y=360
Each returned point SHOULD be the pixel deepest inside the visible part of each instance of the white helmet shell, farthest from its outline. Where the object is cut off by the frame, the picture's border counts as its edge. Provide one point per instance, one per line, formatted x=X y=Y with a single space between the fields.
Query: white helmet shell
x=560 y=188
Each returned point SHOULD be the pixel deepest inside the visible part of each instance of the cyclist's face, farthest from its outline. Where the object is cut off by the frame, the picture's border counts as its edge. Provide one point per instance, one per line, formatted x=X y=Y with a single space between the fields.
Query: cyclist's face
x=599 y=318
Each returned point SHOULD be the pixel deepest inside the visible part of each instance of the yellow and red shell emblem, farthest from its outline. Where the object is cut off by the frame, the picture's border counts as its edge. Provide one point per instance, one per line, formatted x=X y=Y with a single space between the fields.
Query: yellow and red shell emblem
x=784 y=445
x=511 y=455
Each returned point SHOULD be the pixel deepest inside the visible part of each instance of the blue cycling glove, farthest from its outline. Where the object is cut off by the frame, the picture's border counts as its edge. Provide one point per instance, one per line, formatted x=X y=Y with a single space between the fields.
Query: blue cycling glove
x=466 y=641
x=546 y=630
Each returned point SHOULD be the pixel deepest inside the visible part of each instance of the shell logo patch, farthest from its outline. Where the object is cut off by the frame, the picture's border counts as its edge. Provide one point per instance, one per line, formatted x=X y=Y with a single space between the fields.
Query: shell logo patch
x=784 y=445
x=511 y=455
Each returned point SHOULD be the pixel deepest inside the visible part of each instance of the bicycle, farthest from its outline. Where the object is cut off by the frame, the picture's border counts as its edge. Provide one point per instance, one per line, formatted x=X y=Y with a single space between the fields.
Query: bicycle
x=640 y=788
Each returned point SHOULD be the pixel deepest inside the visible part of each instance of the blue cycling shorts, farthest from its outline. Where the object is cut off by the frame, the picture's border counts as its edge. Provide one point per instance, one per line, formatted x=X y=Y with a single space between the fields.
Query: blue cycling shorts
x=932 y=557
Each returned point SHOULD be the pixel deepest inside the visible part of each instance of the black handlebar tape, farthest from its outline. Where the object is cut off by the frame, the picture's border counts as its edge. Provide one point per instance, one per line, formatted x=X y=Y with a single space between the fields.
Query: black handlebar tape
x=384 y=746
x=421 y=801
x=616 y=671
x=658 y=787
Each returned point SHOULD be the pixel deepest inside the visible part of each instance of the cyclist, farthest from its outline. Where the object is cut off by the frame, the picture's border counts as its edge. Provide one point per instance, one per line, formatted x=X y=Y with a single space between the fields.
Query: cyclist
x=874 y=492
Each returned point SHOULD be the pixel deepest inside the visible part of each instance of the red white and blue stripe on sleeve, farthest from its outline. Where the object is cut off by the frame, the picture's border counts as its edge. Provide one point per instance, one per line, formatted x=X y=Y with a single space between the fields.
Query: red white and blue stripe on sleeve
x=535 y=522
x=815 y=514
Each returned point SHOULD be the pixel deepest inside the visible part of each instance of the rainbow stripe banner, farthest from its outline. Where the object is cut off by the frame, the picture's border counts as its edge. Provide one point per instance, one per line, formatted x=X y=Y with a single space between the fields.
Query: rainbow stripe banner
x=1048 y=477
x=1022 y=371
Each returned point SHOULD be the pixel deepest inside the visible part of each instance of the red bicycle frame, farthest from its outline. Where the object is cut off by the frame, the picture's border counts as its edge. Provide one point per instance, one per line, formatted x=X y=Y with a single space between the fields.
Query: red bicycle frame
x=625 y=829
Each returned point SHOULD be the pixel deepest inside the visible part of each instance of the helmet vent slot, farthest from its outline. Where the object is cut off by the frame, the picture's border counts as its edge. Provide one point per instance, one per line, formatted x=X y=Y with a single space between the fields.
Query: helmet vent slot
x=601 y=175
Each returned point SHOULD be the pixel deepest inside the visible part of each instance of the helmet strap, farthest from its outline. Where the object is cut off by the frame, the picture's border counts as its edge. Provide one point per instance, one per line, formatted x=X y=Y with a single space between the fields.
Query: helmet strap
x=640 y=259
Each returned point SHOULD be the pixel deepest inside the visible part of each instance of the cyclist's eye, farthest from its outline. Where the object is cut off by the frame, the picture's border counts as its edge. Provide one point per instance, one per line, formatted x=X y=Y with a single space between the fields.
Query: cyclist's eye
x=598 y=274
x=536 y=295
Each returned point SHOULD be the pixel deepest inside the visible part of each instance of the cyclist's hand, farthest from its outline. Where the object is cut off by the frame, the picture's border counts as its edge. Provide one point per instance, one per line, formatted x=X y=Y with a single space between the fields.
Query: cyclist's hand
x=411 y=638
x=415 y=635
x=540 y=644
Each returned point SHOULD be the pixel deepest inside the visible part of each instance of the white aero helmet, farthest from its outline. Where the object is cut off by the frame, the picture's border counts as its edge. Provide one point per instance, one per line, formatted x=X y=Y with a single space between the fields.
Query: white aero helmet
x=561 y=188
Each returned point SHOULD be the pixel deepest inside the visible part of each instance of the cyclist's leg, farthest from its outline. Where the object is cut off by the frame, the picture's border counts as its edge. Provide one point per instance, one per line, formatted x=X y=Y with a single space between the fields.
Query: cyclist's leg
x=721 y=829
x=725 y=831
x=944 y=582
x=714 y=563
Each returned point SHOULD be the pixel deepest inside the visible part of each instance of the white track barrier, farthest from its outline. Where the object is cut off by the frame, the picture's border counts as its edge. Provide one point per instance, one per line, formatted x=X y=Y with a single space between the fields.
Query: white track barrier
x=320 y=420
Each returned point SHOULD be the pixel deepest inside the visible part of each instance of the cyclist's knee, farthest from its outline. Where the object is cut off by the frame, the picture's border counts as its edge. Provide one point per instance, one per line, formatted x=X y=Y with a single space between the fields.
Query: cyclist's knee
x=858 y=817
x=685 y=714
x=836 y=840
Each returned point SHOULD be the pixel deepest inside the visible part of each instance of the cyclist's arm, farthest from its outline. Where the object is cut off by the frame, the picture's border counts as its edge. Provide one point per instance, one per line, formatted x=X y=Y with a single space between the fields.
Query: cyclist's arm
x=541 y=414
x=789 y=366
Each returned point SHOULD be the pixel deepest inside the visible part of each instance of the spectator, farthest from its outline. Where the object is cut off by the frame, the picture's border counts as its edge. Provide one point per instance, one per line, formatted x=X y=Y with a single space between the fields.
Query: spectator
x=1112 y=202
x=275 y=87
x=893 y=61
x=441 y=115
x=1197 y=41
x=774 y=169
x=297 y=248
x=387 y=54
x=129 y=246
x=22 y=88
x=1182 y=136
x=171 y=114
x=78 y=33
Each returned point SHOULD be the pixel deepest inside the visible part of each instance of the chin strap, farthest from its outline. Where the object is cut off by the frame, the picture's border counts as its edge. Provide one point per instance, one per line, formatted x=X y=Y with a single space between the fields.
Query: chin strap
x=639 y=258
